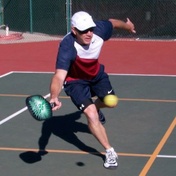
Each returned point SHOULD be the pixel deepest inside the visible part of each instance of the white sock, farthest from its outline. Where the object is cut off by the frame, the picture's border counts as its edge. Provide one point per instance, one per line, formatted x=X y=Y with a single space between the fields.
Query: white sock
x=110 y=150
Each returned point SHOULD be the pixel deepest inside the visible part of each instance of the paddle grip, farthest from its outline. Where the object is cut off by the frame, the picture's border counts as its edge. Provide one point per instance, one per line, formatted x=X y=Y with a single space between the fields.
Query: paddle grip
x=53 y=105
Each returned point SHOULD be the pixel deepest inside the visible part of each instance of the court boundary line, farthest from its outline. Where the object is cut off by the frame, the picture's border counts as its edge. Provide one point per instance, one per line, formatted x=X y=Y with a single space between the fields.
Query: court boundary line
x=112 y=74
x=120 y=99
x=6 y=74
x=145 y=75
x=83 y=152
x=17 y=113
x=159 y=147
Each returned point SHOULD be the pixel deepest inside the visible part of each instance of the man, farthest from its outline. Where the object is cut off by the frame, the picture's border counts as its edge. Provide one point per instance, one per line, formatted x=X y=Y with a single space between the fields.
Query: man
x=78 y=70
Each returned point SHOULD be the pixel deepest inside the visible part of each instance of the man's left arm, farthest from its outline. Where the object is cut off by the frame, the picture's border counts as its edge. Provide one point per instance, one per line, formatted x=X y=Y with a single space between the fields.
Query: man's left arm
x=128 y=25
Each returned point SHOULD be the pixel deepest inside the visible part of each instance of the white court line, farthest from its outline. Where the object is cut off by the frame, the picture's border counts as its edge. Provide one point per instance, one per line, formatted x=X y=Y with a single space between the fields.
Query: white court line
x=6 y=74
x=17 y=113
x=32 y=72
x=113 y=74
x=13 y=115
x=166 y=156
x=147 y=75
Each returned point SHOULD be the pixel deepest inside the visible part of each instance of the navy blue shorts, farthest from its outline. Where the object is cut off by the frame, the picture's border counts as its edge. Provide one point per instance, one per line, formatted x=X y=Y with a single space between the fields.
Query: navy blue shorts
x=82 y=91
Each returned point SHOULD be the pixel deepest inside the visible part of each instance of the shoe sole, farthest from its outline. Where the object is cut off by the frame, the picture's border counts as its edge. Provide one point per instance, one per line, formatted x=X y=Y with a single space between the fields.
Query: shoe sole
x=111 y=167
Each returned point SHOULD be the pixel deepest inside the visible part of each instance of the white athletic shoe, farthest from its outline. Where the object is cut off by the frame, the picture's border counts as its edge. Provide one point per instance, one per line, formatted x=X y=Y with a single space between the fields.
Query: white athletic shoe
x=111 y=160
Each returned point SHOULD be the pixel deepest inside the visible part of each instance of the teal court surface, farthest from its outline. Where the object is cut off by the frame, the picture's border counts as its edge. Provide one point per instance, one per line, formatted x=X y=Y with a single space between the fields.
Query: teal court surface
x=142 y=129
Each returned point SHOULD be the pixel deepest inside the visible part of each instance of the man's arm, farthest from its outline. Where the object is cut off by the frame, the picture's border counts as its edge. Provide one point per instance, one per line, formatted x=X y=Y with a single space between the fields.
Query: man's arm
x=56 y=87
x=129 y=26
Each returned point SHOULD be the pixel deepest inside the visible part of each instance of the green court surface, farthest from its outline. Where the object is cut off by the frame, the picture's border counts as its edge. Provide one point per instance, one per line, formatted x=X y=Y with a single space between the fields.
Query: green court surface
x=142 y=129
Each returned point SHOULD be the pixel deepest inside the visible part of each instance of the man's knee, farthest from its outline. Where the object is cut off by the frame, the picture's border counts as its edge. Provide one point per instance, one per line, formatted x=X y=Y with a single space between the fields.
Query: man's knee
x=91 y=113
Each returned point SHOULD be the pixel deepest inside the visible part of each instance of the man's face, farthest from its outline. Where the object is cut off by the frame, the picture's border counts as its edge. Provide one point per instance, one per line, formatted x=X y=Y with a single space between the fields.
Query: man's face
x=83 y=37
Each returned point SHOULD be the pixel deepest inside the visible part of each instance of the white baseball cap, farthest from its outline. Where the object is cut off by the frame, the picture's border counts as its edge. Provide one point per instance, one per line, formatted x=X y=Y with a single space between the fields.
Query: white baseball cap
x=82 y=21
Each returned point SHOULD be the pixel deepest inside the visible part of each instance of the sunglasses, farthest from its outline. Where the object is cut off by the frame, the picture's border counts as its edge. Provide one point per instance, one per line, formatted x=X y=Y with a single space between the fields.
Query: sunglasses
x=85 y=31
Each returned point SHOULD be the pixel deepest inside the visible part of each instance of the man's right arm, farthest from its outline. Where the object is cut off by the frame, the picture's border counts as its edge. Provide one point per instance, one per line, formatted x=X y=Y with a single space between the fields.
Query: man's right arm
x=56 y=87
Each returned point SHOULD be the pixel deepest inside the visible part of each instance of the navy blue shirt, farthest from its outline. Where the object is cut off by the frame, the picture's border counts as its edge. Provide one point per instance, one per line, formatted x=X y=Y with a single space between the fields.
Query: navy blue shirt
x=81 y=62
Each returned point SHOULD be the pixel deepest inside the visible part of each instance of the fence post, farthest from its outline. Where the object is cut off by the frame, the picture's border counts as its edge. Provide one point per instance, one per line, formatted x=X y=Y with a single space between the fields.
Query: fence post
x=31 y=16
x=1 y=13
x=68 y=14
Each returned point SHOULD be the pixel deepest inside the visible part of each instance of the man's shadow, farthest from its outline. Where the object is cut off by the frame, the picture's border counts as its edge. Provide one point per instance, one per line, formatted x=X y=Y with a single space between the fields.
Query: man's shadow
x=65 y=128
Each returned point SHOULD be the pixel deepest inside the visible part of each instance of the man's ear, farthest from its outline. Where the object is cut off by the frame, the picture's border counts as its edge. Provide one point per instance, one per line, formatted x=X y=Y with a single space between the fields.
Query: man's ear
x=73 y=30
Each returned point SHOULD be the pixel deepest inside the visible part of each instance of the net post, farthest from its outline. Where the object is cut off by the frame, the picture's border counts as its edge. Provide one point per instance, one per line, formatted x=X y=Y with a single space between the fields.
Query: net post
x=68 y=14
x=1 y=13
x=31 y=16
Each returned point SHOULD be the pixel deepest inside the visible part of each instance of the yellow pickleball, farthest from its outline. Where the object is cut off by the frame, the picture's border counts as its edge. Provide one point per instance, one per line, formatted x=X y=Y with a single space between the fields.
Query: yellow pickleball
x=111 y=100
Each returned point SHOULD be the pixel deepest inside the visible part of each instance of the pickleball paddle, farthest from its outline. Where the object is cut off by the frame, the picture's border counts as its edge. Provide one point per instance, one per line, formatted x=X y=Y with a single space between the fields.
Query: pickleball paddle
x=39 y=107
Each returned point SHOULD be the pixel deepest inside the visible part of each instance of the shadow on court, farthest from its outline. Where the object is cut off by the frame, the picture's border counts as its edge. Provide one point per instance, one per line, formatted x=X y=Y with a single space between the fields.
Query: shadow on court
x=64 y=127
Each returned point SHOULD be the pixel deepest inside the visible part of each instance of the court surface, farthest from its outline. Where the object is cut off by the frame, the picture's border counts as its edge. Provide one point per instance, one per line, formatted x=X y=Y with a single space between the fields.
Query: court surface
x=142 y=129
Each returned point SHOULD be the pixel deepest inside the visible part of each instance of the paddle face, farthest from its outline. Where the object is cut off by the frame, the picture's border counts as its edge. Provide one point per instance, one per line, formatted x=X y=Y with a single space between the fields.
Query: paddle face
x=39 y=107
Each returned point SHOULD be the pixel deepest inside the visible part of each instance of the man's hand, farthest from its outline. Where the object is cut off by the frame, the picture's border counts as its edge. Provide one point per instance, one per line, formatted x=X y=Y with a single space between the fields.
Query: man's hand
x=131 y=25
x=57 y=104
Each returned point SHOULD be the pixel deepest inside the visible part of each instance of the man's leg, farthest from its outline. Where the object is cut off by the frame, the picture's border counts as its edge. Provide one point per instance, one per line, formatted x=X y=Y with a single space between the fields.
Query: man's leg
x=95 y=126
x=99 y=132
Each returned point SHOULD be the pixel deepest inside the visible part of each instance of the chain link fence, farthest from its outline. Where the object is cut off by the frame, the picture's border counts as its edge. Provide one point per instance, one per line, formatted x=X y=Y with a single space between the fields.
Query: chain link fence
x=152 y=18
